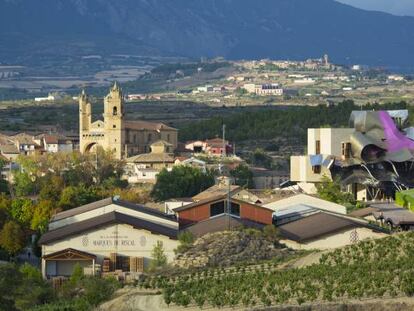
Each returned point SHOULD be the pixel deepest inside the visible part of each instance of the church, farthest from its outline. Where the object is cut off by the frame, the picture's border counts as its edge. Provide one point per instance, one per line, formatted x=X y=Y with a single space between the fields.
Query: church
x=125 y=138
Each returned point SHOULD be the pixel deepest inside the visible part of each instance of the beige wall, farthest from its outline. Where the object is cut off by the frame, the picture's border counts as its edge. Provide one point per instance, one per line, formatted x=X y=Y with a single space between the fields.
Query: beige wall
x=336 y=240
x=139 y=141
x=112 y=208
x=331 y=140
x=119 y=238
x=301 y=170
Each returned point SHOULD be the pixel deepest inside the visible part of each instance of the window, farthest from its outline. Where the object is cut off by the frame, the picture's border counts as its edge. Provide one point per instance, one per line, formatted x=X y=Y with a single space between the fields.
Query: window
x=115 y=111
x=235 y=209
x=135 y=138
x=217 y=209
x=398 y=122
x=114 y=126
x=316 y=169
x=318 y=147
x=220 y=208
x=168 y=137
x=346 y=150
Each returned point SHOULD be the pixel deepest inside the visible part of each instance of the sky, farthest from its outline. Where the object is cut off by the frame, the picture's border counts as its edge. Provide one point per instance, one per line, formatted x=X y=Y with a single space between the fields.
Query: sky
x=397 y=7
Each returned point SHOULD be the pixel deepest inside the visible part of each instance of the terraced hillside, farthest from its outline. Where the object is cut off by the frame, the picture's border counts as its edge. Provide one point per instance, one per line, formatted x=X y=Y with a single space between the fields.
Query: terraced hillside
x=371 y=269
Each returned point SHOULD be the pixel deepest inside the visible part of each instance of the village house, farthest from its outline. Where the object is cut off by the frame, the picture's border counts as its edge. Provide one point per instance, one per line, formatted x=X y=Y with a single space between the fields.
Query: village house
x=215 y=147
x=54 y=143
x=144 y=168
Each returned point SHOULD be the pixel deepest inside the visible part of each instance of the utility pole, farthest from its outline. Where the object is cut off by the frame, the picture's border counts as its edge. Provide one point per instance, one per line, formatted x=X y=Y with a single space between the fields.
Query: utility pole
x=11 y=190
x=224 y=140
x=228 y=207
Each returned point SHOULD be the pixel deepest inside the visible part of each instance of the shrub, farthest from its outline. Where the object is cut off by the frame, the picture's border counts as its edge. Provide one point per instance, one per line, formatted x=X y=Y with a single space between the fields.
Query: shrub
x=271 y=232
x=159 y=259
x=186 y=240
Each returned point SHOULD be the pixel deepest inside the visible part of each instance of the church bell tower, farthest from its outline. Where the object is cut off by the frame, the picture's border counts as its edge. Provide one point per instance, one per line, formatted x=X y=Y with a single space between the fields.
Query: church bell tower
x=113 y=120
x=85 y=118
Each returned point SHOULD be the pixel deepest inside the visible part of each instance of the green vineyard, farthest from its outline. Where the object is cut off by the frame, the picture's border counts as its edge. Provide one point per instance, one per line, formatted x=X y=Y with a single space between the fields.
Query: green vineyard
x=370 y=269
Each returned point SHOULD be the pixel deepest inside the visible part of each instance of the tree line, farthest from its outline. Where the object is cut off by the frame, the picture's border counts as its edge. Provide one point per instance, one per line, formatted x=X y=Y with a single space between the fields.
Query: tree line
x=287 y=122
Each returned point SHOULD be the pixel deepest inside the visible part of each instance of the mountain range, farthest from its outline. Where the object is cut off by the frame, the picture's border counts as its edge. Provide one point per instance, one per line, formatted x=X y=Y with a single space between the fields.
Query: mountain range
x=397 y=7
x=234 y=29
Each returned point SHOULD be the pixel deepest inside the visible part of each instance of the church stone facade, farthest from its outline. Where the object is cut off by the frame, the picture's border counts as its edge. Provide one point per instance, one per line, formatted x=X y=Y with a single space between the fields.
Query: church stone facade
x=125 y=138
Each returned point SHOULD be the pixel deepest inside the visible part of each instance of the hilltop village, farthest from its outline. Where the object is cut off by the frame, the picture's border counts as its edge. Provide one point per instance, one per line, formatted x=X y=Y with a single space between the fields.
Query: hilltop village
x=126 y=200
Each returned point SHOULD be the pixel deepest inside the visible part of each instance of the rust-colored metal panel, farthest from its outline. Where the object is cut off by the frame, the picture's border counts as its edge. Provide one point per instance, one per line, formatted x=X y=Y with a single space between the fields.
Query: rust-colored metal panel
x=255 y=213
x=247 y=211
x=195 y=214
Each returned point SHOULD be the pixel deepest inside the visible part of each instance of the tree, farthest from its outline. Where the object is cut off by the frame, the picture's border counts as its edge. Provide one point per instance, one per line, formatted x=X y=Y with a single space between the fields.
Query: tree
x=4 y=187
x=331 y=191
x=10 y=280
x=12 y=238
x=107 y=166
x=140 y=195
x=243 y=176
x=159 y=259
x=240 y=91
x=259 y=157
x=33 y=290
x=41 y=215
x=21 y=210
x=4 y=209
x=51 y=188
x=74 y=196
x=181 y=181
x=24 y=184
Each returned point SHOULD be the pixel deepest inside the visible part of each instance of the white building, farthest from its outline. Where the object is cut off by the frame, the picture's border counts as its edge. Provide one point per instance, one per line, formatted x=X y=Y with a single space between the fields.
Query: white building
x=324 y=144
x=395 y=78
x=45 y=99
x=264 y=89
x=54 y=143
x=106 y=235
x=205 y=89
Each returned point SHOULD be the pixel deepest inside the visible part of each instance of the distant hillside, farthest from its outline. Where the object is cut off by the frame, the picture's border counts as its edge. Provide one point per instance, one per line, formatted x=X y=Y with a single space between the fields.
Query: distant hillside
x=397 y=7
x=292 y=29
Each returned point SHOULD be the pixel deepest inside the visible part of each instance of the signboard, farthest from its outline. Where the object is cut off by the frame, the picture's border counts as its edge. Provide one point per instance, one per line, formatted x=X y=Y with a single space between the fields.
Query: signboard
x=113 y=240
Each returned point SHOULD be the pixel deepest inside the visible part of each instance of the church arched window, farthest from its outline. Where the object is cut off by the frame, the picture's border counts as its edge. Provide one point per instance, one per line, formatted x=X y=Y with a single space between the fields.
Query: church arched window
x=115 y=111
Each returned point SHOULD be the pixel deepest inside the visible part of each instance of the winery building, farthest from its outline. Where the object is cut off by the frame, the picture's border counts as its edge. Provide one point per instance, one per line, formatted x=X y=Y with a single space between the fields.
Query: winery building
x=106 y=236
x=221 y=208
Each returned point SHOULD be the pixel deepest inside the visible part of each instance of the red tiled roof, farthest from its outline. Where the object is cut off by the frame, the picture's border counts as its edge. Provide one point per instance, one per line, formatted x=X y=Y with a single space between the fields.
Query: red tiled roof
x=51 y=139
x=144 y=125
